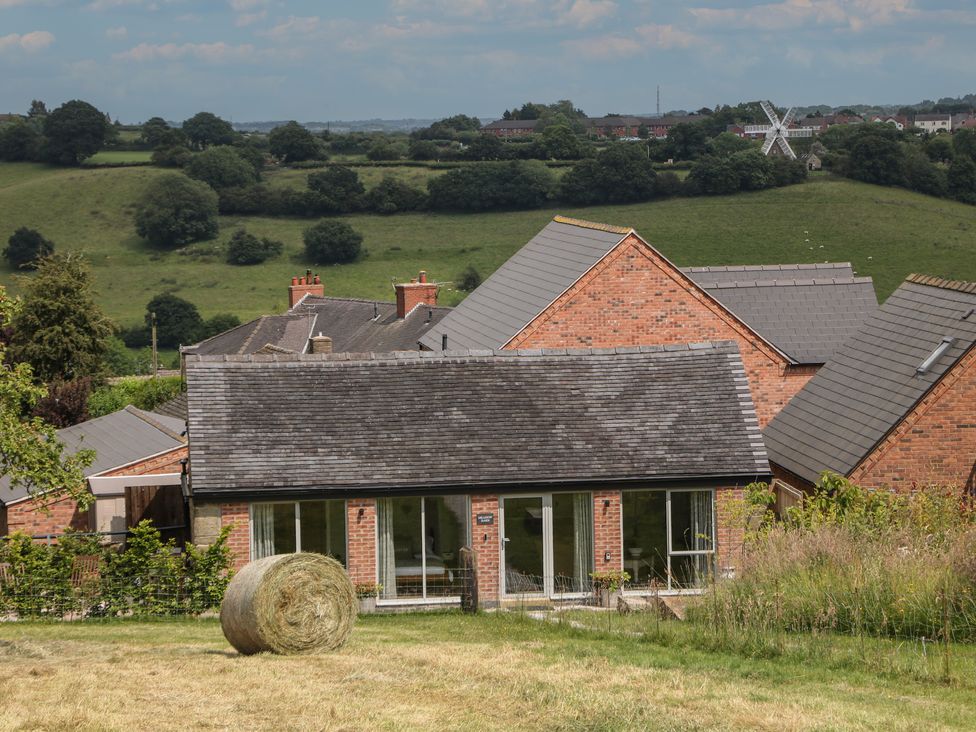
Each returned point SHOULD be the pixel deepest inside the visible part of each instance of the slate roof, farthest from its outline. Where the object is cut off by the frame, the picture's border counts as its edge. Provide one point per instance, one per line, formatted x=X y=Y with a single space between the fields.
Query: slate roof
x=359 y=326
x=806 y=311
x=304 y=424
x=872 y=382
x=118 y=439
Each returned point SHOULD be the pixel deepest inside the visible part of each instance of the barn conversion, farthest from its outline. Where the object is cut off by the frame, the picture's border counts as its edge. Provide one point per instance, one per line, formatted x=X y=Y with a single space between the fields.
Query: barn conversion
x=896 y=406
x=550 y=464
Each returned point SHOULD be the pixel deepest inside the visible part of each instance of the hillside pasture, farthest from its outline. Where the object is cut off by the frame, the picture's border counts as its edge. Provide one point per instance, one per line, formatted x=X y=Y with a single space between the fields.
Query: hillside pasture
x=447 y=672
x=886 y=232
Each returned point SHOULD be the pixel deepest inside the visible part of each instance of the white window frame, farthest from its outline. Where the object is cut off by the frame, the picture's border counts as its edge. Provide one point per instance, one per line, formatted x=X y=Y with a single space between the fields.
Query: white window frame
x=669 y=590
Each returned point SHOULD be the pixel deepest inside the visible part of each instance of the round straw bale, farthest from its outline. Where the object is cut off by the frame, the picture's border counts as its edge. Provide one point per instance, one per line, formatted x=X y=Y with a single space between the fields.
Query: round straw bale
x=289 y=603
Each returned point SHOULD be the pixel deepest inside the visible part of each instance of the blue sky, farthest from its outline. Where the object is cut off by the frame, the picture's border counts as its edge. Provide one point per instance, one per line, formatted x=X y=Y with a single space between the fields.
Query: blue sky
x=296 y=59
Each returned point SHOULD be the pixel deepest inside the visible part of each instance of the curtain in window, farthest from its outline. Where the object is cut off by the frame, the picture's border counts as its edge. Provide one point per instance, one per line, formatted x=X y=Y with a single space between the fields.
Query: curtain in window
x=385 y=559
x=263 y=531
x=582 y=541
x=701 y=535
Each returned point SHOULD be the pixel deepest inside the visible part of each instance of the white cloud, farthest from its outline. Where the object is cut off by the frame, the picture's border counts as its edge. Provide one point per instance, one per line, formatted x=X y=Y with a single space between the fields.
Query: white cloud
x=403 y=30
x=788 y=14
x=241 y=6
x=120 y=32
x=99 y=5
x=294 y=26
x=29 y=42
x=584 y=13
x=605 y=47
x=667 y=37
x=218 y=52
x=250 y=18
x=11 y=3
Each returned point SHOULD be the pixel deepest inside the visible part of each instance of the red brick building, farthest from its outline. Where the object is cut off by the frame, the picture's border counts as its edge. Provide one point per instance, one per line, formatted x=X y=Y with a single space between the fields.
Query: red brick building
x=581 y=284
x=551 y=464
x=896 y=407
x=135 y=475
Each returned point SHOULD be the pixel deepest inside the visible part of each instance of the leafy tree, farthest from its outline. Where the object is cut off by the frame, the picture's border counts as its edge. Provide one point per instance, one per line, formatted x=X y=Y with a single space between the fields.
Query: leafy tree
x=924 y=176
x=141 y=393
x=392 y=195
x=221 y=167
x=178 y=321
x=245 y=248
x=754 y=169
x=253 y=151
x=37 y=109
x=964 y=143
x=176 y=156
x=74 y=131
x=60 y=331
x=175 y=210
x=643 y=132
x=31 y=455
x=66 y=402
x=561 y=143
x=687 y=141
x=423 y=150
x=156 y=131
x=25 y=246
x=340 y=185
x=20 y=141
x=876 y=159
x=962 y=179
x=384 y=150
x=218 y=324
x=786 y=172
x=514 y=184
x=205 y=129
x=727 y=144
x=713 y=176
x=622 y=173
x=332 y=242
x=292 y=142
x=469 y=280
x=486 y=147
x=939 y=148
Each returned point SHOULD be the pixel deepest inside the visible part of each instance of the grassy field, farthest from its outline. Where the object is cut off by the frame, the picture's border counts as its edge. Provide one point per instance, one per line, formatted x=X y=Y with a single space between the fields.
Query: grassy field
x=119 y=156
x=886 y=232
x=370 y=176
x=439 y=672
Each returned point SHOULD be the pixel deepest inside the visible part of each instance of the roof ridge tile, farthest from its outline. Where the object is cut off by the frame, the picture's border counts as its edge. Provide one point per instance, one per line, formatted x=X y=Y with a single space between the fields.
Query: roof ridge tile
x=584 y=224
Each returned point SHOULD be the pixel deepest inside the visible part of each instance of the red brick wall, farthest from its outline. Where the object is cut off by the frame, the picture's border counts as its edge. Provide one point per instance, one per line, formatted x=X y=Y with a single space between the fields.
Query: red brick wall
x=607 y=532
x=361 y=539
x=635 y=297
x=239 y=540
x=30 y=518
x=485 y=541
x=935 y=444
x=168 y=462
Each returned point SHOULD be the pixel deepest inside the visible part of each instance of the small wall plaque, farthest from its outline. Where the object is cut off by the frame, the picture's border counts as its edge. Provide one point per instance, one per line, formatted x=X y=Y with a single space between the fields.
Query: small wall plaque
x=486 y=519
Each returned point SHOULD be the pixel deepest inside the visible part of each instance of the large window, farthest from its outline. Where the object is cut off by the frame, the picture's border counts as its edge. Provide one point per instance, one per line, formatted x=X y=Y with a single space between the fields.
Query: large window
x=669 y=538
x=303 y=526
x=418 y=546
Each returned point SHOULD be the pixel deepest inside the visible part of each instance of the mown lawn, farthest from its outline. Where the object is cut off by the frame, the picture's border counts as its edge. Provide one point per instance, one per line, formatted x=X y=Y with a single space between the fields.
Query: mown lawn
x=444 y=671
x=886 y=232
x=119 y=156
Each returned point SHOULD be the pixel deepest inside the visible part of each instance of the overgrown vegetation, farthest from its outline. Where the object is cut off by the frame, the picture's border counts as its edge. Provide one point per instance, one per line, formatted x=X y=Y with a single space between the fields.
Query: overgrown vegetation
x=145 y=394
x=147 y=577
x=853 y=561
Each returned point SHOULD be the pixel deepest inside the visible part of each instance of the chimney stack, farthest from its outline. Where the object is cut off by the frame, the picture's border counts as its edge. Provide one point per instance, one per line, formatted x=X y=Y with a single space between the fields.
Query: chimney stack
x=302 y=286
x=321 y=343
x=416 y=292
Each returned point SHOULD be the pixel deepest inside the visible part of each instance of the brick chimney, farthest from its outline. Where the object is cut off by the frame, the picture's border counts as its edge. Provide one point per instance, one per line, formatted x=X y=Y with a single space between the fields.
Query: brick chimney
x=417 y=291
x=301 y=286
x=320 y=344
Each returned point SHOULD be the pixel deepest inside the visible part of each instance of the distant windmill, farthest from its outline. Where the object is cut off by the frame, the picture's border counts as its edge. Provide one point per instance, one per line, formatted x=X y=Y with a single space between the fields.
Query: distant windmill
x=777 y=131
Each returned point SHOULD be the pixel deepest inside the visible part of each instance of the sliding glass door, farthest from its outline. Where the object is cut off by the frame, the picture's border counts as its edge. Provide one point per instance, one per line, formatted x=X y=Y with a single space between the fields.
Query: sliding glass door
x=547 y=544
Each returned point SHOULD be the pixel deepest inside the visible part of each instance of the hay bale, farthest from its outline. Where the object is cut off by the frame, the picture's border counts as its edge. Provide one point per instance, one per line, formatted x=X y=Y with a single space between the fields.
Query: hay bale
x=289 y=603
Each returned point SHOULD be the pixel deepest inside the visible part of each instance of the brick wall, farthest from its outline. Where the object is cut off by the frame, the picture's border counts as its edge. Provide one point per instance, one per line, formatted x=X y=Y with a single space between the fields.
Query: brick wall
x=239 y=540
x=936 y=443
x=635 y=297
x=729 y=537
x=485 y=540
x=29 y=517
x=168 y=462
x=361 y=539
x=607 y=532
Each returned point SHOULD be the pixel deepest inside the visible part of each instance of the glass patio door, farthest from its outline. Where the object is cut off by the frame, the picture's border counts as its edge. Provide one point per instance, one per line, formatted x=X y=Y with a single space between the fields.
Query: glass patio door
x=547 y=544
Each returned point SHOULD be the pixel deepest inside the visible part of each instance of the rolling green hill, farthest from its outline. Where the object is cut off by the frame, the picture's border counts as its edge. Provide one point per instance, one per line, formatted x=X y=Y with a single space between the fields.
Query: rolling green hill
x=885 y=232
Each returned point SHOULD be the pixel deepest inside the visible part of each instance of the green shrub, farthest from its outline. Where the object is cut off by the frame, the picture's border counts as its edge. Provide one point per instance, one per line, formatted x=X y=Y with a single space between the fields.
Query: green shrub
x=221 y=167
x=175 y=210
x=142 y=393
x=469 y=280
x=25 y=246
x=332 y=242
x=244 y=248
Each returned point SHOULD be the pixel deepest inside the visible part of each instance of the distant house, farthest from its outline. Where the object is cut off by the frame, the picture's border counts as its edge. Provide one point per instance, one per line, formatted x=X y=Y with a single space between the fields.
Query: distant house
x=579 y=284
x=550 y=464
x=510 y=127
x=135 y=476
x=812 y=161
x=316 y=323
x=613 y=126
x=899 y=123
x=933 y=123
x=896 y=406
